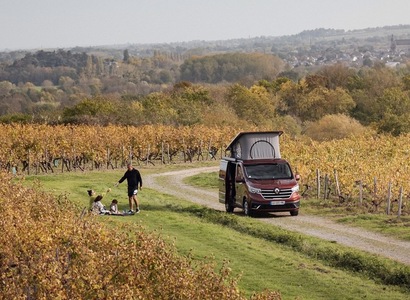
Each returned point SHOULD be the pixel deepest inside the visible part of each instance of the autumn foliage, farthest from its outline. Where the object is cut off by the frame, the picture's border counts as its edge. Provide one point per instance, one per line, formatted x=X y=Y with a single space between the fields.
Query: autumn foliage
x=50 y=250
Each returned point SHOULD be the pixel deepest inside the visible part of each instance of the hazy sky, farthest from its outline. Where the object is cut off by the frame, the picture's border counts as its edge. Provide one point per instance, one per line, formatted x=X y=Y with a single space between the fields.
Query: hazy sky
x=27 y=24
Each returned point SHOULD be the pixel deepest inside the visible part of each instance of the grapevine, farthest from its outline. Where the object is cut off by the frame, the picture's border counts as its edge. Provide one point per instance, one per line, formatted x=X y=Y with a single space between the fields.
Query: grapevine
x=361 y=159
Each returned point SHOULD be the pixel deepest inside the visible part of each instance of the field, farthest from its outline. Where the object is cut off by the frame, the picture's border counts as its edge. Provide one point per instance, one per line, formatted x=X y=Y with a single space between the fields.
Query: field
x=258 y=263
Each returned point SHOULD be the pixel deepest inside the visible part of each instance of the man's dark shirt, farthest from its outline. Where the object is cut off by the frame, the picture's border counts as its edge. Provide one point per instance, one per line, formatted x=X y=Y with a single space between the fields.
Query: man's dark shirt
x=133 y=178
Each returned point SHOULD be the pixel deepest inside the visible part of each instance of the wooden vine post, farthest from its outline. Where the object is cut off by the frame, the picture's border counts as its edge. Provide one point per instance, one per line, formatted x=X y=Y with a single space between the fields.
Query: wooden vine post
x=92 y=159
x=162 y=153
x=200 y=150
x=361 y=192
x=62 y=162
x=73 y=158
x=337 y=184
x=122 y=155
x=148 y=151
x=388 y=199
x=184 y=150
x=400 y=202
x=209 y=149
x=108 y=157
x=37 y=163
x=318 y=183
x=29 y=162
x=46 y=160
x=168 y=154
x=375 y=188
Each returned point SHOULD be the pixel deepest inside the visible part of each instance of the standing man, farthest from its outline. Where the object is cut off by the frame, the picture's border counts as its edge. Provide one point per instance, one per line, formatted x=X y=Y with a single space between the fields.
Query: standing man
x=134 y=179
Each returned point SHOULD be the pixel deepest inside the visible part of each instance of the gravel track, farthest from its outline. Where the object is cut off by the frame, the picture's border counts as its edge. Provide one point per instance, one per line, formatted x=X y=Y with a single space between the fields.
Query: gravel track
x=172 y=183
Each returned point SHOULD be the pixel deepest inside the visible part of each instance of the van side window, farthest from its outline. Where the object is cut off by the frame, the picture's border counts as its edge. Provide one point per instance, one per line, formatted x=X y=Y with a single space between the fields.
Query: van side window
x=239 y=173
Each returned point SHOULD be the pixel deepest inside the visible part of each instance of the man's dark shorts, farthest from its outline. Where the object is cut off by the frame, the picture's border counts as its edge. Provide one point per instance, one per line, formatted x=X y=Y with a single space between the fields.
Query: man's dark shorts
x=132 y=191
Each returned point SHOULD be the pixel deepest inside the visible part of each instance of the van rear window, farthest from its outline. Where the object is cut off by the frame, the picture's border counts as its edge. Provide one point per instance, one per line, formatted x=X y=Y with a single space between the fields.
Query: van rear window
x=268 y=171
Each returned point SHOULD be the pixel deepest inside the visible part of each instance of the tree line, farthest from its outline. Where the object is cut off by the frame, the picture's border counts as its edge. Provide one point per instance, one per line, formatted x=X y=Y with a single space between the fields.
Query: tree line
x=220 y=89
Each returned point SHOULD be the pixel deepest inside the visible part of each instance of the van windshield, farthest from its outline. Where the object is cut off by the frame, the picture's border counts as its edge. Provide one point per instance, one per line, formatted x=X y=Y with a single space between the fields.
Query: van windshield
x=268 y=171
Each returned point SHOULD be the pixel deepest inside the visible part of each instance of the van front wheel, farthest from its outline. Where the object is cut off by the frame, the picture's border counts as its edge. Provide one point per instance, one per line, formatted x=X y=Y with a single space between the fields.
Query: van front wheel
x=294 y=213
x=246 y=209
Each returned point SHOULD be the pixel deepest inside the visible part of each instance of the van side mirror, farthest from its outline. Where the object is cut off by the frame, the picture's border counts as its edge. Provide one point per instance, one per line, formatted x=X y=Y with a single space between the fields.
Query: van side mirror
x=297 y=177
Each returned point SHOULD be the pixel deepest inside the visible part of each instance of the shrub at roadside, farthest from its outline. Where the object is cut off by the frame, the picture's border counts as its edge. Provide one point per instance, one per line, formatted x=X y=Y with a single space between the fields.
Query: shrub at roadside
x=49 y=251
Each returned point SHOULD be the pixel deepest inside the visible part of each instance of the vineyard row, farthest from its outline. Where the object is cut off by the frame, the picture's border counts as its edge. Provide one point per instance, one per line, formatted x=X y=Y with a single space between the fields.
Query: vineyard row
x=44 y=148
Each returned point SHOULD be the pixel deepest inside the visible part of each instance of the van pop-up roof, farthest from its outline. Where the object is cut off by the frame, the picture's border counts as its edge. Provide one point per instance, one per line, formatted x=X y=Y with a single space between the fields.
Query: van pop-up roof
x=255 y=145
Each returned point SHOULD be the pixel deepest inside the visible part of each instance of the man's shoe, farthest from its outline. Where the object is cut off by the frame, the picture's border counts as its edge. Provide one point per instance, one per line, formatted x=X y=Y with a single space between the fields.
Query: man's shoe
x=130 y=212
x=137 y=211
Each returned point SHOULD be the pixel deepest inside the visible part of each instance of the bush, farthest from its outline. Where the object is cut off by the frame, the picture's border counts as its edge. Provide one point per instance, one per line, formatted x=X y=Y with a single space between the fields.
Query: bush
x=333 y=127
x=51 y=251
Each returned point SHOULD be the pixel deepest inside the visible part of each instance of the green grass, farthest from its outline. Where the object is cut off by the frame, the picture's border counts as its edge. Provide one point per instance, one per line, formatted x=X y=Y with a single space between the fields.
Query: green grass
x=205 y=180
x=260 y=257
x=389 y=225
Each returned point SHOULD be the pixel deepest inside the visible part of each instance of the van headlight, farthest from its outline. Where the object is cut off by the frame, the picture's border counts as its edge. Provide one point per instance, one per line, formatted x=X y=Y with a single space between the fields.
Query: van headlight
x=295 y=188
x=254 y=190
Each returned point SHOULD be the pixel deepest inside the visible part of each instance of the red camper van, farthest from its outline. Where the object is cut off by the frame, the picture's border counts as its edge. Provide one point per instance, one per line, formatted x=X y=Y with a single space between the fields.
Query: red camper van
x=255 y=178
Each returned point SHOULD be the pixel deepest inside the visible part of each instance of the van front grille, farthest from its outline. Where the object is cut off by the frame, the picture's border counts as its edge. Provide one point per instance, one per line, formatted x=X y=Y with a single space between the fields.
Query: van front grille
x=272 y=194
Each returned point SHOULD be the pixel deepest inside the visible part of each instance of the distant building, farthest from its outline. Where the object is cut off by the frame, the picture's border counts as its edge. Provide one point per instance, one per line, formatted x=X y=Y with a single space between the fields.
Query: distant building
x=394 y=43
x=392 y=64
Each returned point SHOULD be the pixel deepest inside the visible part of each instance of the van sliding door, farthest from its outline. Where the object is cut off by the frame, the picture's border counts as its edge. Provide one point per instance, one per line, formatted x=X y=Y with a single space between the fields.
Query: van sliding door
x=240 y=185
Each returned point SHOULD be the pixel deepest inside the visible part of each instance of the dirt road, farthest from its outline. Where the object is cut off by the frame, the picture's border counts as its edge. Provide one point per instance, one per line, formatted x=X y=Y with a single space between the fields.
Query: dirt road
x=172 y=183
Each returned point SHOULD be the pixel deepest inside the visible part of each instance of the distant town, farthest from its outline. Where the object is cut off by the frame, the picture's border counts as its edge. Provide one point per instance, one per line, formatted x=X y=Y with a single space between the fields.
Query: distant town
x=389 y=45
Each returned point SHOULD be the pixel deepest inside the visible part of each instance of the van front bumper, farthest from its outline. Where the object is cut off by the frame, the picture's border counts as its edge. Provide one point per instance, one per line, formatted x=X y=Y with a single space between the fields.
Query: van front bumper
x=275 y=206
